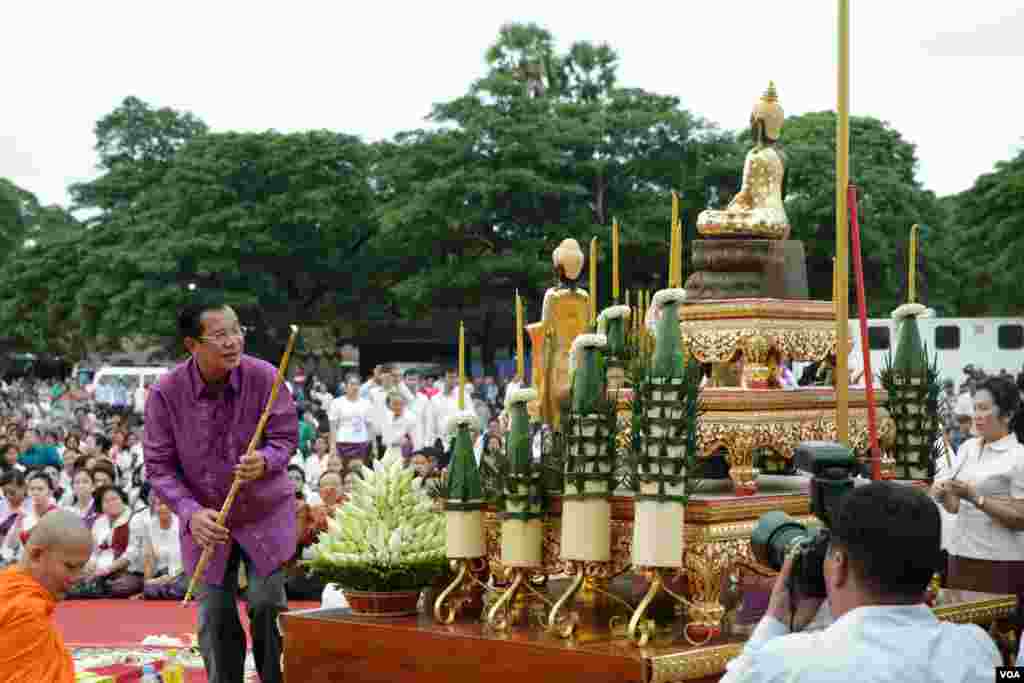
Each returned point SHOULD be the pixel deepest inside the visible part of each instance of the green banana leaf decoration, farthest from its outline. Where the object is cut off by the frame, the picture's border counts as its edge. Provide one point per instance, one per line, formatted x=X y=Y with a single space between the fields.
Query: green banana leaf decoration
x=465 y=491
x=522 y=494
x=612 y=324
x=588 y=384
x=668 y=344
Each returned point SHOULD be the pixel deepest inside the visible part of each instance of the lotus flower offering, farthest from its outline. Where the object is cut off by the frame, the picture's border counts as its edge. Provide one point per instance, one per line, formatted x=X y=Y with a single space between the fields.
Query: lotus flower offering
x=386 y=536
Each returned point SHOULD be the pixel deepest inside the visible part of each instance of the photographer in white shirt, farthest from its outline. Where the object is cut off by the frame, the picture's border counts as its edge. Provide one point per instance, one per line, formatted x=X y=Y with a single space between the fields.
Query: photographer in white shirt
x=884 y=550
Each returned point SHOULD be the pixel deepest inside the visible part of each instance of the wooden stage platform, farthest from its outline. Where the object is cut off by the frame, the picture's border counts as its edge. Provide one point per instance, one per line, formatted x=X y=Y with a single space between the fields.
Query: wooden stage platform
x=328 y=646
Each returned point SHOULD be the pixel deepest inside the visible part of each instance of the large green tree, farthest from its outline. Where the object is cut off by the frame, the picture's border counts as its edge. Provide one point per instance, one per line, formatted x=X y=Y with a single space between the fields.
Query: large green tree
x=546 y=145
x=38 y=248
x=883 y=166
x=135 y=144
x=988 y=224
x=52 y=276
x=276 y=224
x=17 y=208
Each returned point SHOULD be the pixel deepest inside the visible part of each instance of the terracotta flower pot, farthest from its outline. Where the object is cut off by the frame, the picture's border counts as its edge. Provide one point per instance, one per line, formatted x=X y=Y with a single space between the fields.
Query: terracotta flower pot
x=388 y=604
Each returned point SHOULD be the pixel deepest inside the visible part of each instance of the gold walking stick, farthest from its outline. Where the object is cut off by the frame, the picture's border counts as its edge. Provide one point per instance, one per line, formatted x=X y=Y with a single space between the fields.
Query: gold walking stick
x=204 y=559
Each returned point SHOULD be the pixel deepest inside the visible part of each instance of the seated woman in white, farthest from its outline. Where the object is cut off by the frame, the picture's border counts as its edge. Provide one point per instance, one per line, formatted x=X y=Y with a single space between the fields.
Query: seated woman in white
x=165 y=578
x=109 y=573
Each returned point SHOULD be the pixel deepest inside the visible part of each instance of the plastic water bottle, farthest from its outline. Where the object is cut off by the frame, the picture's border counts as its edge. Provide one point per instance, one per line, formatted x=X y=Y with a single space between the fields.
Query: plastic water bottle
x=174 y=670
x=149 y=675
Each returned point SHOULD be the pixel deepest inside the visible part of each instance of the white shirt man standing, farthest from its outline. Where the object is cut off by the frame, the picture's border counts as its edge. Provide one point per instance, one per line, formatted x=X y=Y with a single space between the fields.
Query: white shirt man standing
x=884 y=551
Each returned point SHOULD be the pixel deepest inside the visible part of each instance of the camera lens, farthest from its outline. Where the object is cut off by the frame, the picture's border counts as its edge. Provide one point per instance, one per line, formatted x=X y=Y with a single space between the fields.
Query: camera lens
x=774 y=535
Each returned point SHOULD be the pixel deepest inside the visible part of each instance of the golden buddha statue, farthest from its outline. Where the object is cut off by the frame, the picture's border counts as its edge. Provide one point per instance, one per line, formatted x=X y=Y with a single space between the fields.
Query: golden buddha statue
x=564 y=316
x=757 y=211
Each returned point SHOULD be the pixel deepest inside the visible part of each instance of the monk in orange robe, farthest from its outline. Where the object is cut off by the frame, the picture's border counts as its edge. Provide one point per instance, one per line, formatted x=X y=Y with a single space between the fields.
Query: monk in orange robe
x=56 y=552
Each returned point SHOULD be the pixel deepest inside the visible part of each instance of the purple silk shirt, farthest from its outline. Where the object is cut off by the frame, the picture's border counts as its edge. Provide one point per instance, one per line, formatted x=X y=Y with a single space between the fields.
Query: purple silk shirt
x=193 y=441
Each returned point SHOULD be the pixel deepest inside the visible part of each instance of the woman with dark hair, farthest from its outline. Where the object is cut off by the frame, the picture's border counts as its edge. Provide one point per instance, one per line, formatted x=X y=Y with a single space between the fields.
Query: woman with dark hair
x=103 y=473
x=14 y=487
x=81 y=500
x=165 y=577
x=40 y=493
x=985 y=490
x=109 y=572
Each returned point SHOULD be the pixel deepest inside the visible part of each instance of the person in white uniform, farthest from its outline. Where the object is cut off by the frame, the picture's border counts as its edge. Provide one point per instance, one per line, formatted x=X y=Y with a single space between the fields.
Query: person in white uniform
x=420 y=405
x=399 y=427
x=352 y=423
x=883 y=553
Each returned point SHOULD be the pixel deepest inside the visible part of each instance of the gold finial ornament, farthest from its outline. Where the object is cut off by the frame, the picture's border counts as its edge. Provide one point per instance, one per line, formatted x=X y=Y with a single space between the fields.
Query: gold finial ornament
x=768 y=111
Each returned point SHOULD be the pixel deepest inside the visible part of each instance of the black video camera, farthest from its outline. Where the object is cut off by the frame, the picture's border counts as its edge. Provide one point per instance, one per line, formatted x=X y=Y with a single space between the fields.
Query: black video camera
x=776 y=535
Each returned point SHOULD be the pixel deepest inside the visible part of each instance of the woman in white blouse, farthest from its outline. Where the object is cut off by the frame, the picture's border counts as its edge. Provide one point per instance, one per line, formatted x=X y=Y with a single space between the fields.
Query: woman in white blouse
x=399 y=427
x=40 y=495
x=985 y=490
x=164 y=574
x=81 y=501
x=109 y=573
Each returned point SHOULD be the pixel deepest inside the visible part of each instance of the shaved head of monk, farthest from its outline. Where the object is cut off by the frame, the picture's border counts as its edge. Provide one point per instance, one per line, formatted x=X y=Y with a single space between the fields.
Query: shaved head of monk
x=57 y=551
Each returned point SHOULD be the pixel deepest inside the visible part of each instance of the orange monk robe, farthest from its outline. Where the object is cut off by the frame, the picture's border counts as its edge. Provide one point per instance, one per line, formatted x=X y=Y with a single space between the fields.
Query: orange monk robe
x=33 y=650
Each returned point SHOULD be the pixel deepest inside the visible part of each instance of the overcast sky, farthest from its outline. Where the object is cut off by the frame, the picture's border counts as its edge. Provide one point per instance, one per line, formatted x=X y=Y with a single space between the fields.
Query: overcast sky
x=946 y=75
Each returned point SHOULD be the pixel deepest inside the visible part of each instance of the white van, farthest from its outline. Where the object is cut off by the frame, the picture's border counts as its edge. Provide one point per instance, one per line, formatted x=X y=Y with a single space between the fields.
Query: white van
x=992 y=344
x=131 y=377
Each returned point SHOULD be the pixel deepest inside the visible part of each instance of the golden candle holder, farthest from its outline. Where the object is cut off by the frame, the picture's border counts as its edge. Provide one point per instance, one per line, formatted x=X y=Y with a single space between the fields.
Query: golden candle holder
x=514 y=603
x=459 y=592
x=590 y=583
x=640 y=629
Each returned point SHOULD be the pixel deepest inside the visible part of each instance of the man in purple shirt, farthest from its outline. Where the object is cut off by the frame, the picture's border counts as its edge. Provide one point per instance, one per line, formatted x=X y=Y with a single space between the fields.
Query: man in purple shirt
x=199 y=420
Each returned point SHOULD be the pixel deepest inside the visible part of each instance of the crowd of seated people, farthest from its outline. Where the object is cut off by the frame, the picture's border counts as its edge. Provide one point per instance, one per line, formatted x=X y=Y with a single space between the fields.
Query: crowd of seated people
x=87 y=460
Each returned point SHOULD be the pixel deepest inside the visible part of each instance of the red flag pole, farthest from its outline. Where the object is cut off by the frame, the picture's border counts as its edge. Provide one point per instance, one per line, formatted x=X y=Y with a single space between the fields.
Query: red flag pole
x=869 y=378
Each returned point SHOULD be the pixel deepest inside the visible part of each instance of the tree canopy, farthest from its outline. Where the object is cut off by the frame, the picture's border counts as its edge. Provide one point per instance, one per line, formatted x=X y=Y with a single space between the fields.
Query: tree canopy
x=545 y=146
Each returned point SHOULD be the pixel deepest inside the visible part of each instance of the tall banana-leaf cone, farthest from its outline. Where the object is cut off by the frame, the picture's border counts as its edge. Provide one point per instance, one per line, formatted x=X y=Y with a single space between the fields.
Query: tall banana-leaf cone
x=590 y=471
x=912 y=383
x=464 y=515
x=613 y=323
x=520 y=505
x=668 y=401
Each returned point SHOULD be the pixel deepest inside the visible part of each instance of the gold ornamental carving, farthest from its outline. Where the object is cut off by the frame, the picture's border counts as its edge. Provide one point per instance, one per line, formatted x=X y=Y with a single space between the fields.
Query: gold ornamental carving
x=693 y=665
x=741 y=433
x=717 y=342
x=756 y=348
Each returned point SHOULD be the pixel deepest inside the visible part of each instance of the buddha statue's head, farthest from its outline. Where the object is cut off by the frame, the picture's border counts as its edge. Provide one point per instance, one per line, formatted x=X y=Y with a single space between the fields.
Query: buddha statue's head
x=767 y=117
x=568 y=260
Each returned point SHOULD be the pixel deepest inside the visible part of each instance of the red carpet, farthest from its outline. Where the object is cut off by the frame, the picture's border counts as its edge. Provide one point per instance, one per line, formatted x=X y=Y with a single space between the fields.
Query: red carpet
x=124 y=623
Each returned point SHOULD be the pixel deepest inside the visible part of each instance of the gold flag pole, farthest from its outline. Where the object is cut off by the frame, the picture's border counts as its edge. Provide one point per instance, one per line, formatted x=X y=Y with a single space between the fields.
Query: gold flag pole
x=912 y=267
x=842 y=230
x=204 y=559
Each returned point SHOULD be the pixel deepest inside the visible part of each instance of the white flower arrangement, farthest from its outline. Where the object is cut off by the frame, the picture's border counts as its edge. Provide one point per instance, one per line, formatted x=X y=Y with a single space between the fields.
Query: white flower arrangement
x=584 y=341
x=466 y=417
x=667 y=296
x=587 y=341
x=912 y=310
x=523 y=395
x=386 y=536
x=611 y=313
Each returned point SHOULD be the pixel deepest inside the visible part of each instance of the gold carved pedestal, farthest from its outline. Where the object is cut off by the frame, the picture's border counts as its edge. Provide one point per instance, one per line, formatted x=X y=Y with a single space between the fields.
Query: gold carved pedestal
x=744 y=340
